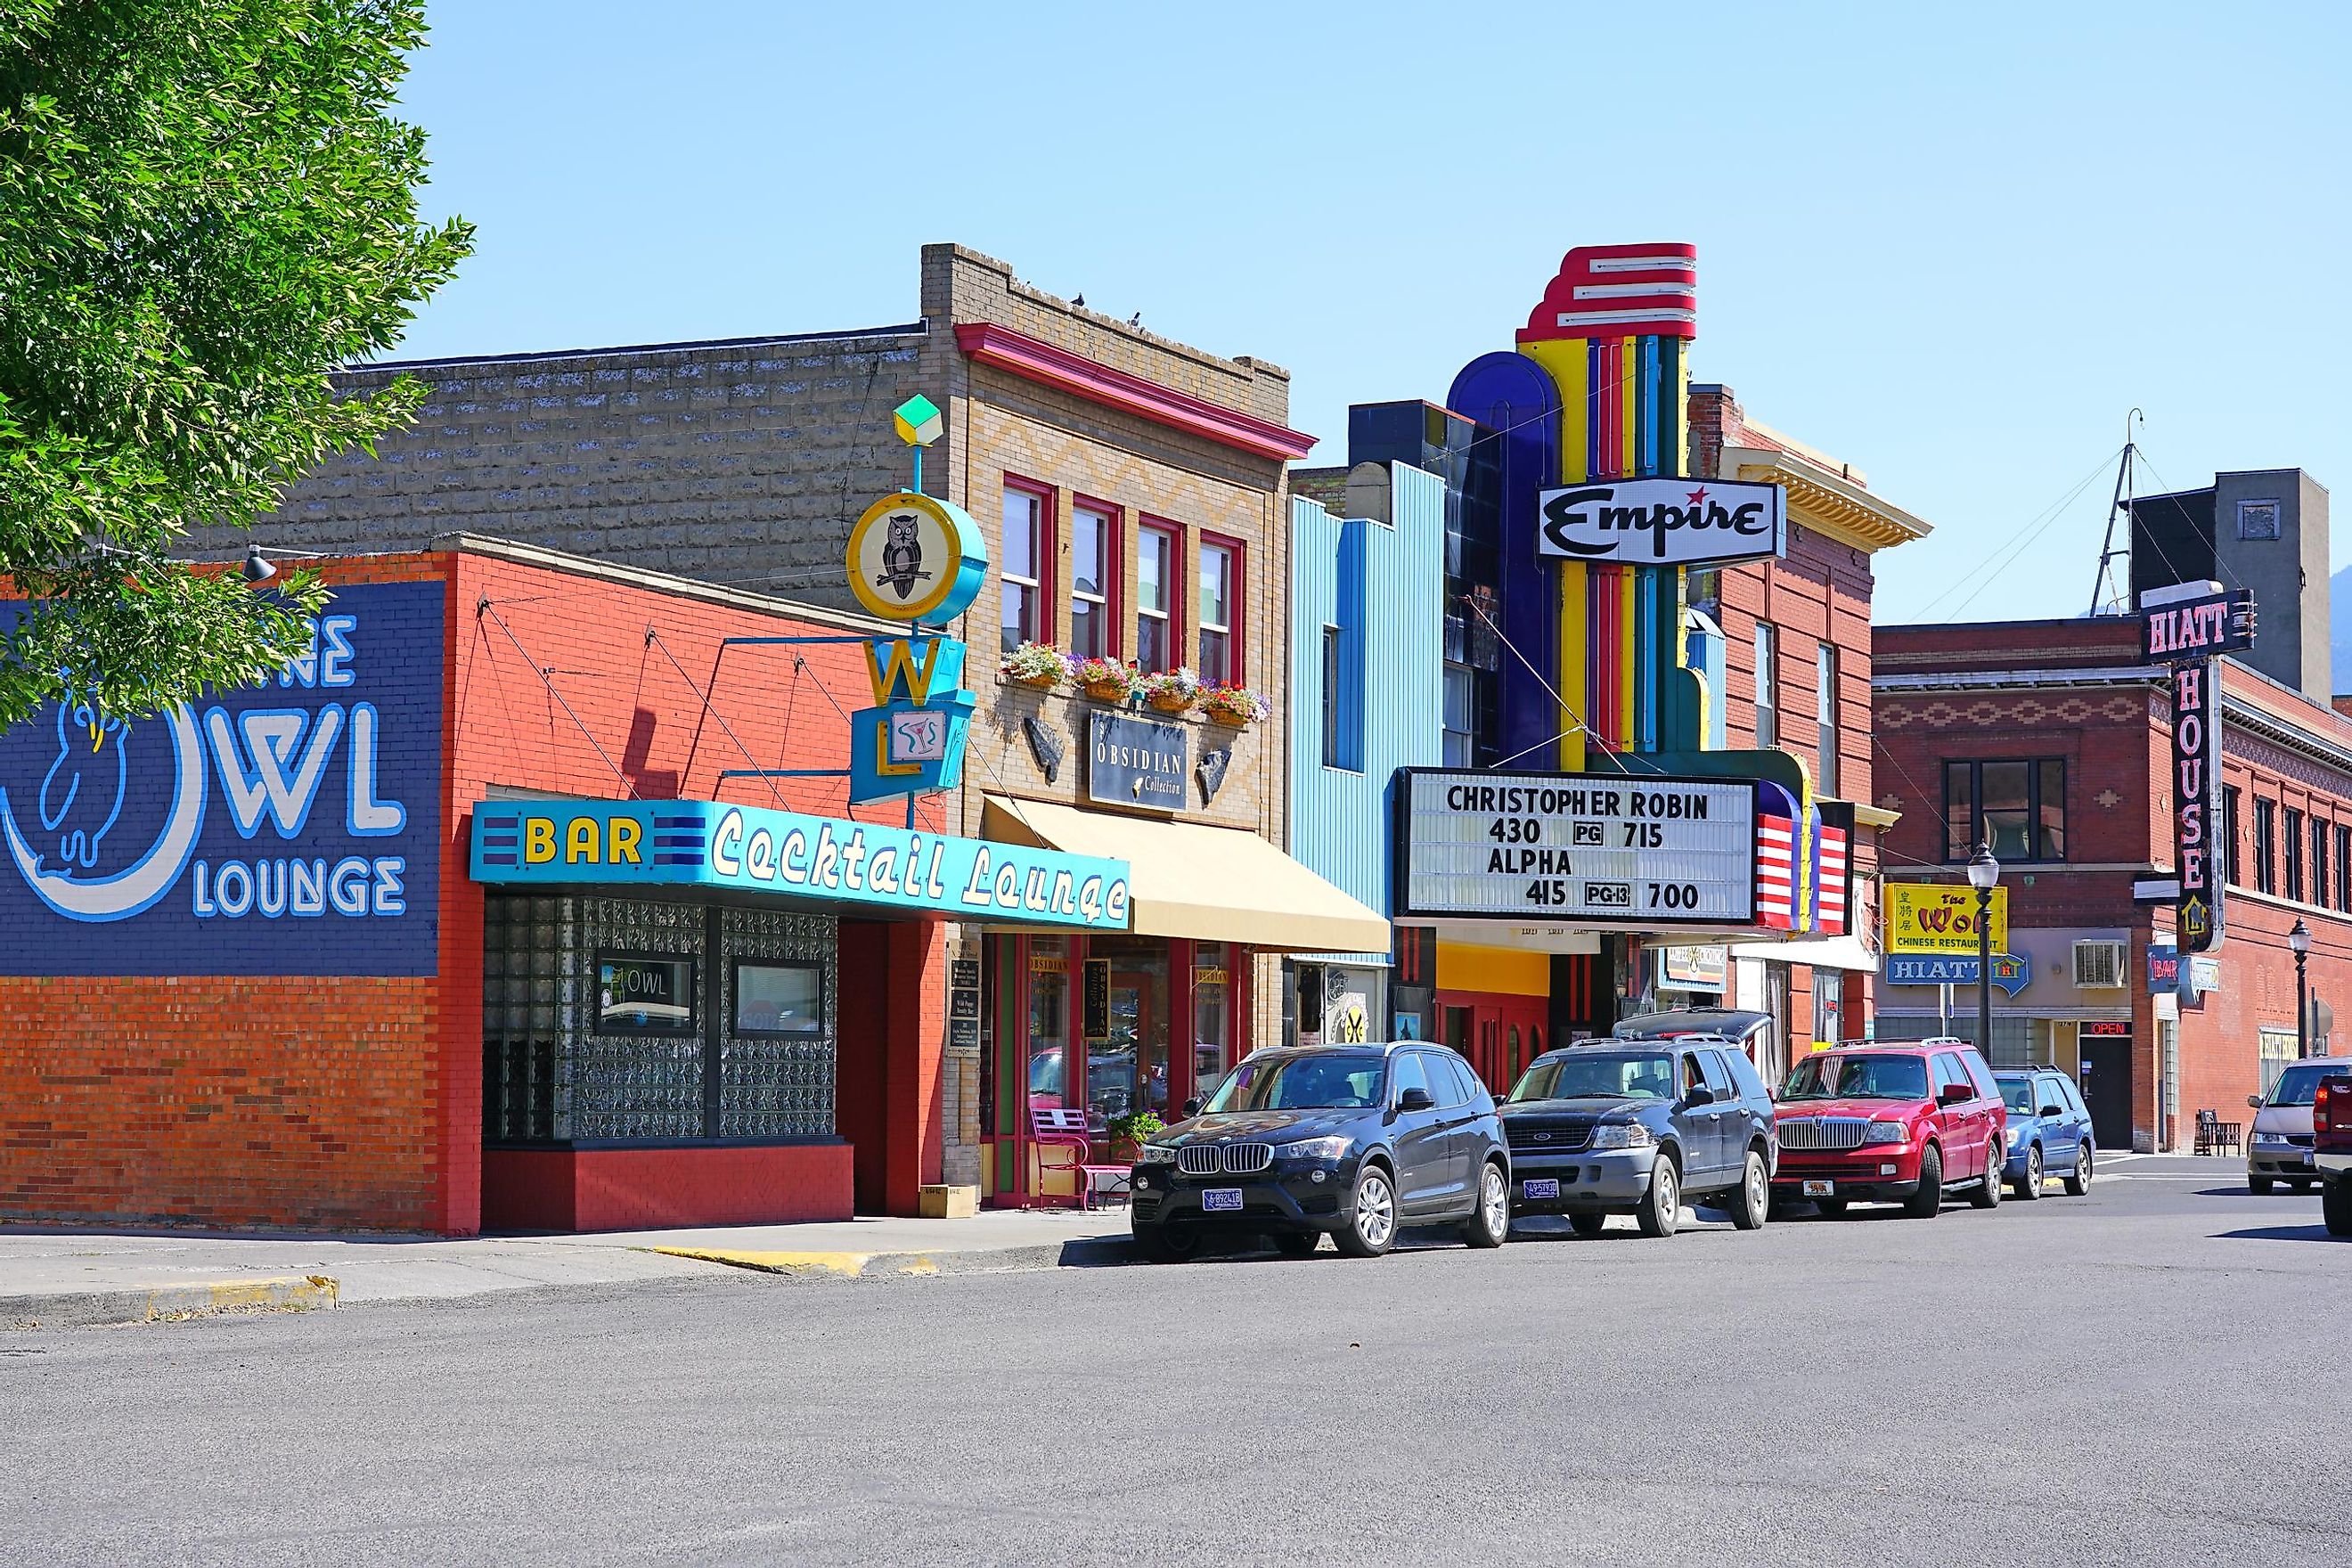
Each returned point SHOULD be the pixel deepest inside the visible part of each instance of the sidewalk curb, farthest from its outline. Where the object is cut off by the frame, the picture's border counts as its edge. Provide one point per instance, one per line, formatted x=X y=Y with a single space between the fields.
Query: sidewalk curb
x=1089 y=1252
x=170 y=1303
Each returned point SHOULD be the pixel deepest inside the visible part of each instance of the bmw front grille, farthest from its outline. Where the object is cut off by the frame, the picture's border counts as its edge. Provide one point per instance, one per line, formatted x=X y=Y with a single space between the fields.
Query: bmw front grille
x=1224 y=1159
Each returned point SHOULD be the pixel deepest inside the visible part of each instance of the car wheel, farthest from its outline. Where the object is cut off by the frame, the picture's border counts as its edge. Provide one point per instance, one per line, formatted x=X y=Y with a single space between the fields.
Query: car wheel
x=1370 y=1229
x=1929 y=1201
x=2030 y=1188
x=1986 y=1194
x=1751 y=1201
x=2078 y=1180
x=2259 y=1184
x=2336 y=1207
x=2302 y=1187
x=1297 y=1243
x=1662 y=1205
x=1587 y=1224
x=1165 y=1244
x=1492 y=1221
x=1832 y=1209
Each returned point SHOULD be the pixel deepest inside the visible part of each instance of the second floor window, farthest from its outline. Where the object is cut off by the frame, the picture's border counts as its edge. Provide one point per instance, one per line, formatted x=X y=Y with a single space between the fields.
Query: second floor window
x=1221 y=662
x=1768 y=702
x=2319 y=863
x=2344 y=870
x=2231 y=859
x=1825 y=665
x=2295 y=855
x=1459 y=741
x=1028 y=545
x=2018 y=807
x=1156 y=557
x=1094 y=556
x=2265 y=846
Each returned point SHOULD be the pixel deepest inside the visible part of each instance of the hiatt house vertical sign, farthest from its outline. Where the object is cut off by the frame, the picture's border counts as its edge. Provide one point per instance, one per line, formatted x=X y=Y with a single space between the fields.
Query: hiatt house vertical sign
x=2189 y=627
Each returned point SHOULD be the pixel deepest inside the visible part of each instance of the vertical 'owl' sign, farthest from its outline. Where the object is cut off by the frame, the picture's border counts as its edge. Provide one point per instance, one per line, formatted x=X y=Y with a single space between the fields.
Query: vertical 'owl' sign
x=916 y=558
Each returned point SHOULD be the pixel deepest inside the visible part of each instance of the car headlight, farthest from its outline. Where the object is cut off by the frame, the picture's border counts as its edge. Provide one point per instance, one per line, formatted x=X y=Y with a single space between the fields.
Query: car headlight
x=1622 y=1135
x=1885 y=1133
x=2013 y=1134
x=1315 y=1149
x=1156 y=1154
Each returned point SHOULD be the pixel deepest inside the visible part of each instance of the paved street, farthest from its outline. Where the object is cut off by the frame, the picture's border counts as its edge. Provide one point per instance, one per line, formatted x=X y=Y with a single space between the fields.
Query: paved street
x=2067 y=1382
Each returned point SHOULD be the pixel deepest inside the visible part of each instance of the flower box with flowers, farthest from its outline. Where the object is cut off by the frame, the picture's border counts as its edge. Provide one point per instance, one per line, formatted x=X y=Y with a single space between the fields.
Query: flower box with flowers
x=1104 y=679
x=1171 y=691
x=1237 y=706
x=1037 y=665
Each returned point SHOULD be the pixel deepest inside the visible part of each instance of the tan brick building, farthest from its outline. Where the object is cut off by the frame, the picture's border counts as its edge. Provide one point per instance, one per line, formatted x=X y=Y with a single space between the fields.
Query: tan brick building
x=1132 y=492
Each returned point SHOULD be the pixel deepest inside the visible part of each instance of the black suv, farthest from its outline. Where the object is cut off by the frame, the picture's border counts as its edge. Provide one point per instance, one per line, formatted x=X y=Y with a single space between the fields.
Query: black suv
x=1357 y=1141
x=1635 y=1127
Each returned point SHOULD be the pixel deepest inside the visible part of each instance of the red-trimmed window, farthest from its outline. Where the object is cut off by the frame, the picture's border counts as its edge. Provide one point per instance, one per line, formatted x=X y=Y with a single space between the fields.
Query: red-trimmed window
x=1094 y=579
x=1221 y=611
x=1027 y=573
x=1159 y=596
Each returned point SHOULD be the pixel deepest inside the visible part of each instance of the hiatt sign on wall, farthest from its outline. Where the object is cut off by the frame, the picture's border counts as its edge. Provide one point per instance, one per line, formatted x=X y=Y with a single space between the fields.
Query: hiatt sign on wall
x=2199 y=628
x=1662 y=523
x=1641 y=852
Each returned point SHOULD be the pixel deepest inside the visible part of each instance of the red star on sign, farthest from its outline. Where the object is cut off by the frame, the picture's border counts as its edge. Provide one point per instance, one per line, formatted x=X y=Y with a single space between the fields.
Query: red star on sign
x=1697 y=496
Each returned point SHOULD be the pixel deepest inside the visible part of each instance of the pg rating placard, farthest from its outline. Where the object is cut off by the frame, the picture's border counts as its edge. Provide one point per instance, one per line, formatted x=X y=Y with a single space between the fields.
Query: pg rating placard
x=1628 y=851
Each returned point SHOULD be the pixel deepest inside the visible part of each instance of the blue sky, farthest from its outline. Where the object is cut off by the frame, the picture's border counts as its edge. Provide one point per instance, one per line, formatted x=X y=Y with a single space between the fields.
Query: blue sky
x=1951 y=252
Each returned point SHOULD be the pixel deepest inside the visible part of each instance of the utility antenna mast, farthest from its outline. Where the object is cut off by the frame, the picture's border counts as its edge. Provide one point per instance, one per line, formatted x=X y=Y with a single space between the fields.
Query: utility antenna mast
x=2103 y=600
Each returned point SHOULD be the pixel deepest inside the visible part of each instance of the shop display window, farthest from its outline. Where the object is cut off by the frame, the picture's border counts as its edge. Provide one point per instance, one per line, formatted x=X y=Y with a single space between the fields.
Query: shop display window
x=644 y=994
x=779 y=998
x=1049 y=1023
x=1213 y=1026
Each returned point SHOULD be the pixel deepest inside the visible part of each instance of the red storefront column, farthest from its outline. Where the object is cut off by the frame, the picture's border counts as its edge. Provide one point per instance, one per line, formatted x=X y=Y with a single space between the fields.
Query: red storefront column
x=913 y=1040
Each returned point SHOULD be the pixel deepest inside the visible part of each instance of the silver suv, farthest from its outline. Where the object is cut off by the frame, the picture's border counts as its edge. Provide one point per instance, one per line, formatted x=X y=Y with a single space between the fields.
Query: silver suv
x=2278 y=1145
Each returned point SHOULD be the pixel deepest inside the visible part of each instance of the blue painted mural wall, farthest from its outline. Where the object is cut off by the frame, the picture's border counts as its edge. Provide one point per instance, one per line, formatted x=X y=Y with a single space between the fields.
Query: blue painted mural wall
x=1383 y=587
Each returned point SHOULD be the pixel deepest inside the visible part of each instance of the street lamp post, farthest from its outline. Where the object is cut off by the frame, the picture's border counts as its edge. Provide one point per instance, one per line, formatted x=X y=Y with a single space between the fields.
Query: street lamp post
x=2299 y=938
x=1984 y=871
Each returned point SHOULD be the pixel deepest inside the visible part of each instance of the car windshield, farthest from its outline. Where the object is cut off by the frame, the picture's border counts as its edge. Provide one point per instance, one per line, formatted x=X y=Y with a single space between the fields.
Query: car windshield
x=2016 y=1093
x=1858 y=1078
x=1612 y=1075
x=2299 y=1084
x=1310 y=1082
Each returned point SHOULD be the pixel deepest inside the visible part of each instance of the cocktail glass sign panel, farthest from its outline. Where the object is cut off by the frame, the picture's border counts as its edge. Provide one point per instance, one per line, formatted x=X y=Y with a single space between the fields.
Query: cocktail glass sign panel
x=1596 y=850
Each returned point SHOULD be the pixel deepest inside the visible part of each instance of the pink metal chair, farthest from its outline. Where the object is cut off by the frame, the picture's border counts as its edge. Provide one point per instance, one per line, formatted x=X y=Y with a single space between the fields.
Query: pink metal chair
x=1064 y=1128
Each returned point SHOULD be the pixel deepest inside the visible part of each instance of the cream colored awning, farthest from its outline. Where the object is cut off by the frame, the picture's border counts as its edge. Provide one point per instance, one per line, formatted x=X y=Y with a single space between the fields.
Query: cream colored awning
x=1213 y=884
x=1821 y=952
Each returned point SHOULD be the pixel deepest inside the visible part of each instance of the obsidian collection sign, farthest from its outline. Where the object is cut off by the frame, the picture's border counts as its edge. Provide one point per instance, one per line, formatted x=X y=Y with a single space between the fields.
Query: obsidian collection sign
x=1132 y=760
x=1579 y=848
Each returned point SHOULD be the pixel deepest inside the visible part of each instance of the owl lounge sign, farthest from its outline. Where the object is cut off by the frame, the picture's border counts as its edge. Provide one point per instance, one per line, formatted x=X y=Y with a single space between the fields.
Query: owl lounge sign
x=920 y=560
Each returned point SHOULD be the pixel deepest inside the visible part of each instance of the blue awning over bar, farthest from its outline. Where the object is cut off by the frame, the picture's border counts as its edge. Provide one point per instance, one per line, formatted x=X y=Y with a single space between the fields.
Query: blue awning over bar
x=686 y=844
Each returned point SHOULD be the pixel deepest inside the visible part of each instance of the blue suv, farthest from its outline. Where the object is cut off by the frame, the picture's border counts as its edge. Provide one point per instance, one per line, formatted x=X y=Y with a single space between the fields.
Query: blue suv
x=2049 y=1130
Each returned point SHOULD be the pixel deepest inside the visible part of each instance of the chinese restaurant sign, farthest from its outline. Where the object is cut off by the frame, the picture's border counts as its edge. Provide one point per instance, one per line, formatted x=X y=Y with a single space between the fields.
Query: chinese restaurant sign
x=291 y=828
x=708 y=844
x=1941 y=918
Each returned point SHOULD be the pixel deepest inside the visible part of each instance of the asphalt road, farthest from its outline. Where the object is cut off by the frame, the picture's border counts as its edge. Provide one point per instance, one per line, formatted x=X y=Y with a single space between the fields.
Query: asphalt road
x=2127 y=1378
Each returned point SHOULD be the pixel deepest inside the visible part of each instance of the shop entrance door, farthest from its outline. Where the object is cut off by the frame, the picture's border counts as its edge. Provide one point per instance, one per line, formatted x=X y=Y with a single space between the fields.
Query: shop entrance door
x=2106 y=1088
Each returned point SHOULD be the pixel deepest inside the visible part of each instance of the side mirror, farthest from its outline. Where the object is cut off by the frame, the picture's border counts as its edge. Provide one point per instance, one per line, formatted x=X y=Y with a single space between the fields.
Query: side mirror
x=2253 y=1102
x=2052 y=1111
x=1956 y=1094
x=1191 y=1109
x=1702 y=1095
x=1415 y=1099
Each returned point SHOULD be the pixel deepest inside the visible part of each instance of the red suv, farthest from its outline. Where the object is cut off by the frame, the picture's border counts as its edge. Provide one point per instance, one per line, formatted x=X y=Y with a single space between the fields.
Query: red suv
x=1891 y=1124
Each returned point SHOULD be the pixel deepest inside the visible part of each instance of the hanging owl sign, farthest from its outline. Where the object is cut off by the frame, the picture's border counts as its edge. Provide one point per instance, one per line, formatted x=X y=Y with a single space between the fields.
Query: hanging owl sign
x=916 y=558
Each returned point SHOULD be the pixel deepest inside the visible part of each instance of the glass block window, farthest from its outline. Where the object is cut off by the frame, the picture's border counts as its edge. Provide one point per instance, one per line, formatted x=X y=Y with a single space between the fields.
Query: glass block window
x=526 y=1077
x=634 y=1085
x=773 y=1084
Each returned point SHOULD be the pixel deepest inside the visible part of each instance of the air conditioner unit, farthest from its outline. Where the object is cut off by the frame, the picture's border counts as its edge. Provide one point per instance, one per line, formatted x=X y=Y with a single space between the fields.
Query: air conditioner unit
x=2101 y=965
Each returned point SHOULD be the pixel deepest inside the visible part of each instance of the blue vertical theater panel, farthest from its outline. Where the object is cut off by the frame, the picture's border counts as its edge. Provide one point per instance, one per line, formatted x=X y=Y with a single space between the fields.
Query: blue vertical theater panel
x=292 y=827
x=1516 y=405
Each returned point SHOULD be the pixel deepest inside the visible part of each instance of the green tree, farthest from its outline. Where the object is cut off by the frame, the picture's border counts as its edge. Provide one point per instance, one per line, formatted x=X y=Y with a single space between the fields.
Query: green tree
x=205 y=208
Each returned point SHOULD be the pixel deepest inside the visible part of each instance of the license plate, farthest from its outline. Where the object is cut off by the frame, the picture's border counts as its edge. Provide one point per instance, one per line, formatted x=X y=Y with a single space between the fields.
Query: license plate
x=1548 y=1187
x=1820 y=1189
x=1227 y=1200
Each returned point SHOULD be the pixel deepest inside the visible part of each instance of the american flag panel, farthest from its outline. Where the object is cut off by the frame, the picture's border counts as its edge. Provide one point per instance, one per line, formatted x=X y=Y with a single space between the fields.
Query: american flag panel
x=1828 y=911
x=1776 y=842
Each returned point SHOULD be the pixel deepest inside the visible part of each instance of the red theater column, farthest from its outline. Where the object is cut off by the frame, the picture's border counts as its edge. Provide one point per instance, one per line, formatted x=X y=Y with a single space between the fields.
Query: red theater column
x=915 y=1033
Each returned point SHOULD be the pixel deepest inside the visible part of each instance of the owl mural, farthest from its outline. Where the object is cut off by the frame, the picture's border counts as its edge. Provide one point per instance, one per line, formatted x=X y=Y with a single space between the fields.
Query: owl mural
x=902 y=555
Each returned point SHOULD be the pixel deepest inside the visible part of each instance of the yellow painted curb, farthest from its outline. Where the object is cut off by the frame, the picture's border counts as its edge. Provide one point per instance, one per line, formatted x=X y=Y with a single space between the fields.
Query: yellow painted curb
x=844 y=1265
x=206 y=1299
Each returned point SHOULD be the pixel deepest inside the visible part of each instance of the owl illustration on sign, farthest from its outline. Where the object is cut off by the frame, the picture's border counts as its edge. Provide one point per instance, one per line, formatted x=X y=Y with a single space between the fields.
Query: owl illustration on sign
x=81 y=794
x=902 y=555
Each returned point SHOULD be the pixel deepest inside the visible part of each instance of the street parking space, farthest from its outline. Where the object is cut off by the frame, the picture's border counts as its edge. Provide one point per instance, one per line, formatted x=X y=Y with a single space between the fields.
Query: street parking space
x=2070 y=1381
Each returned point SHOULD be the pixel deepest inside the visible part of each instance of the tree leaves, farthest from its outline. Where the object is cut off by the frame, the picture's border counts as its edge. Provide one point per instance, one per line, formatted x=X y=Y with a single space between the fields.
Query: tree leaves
x=205 y=207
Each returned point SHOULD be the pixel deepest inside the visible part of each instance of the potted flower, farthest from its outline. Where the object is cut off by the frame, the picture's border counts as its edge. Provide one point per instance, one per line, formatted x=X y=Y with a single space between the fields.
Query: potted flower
x=1129 y=1132
x=1104 y=679
x=1235 y=705
x=1171 y=690
x=1035 y=664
